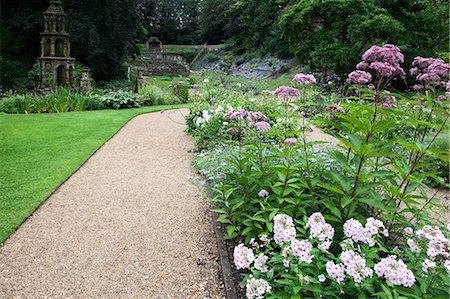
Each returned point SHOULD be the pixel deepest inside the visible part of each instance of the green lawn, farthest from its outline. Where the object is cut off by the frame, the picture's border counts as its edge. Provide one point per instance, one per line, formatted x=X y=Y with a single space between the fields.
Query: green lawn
x=40 y=151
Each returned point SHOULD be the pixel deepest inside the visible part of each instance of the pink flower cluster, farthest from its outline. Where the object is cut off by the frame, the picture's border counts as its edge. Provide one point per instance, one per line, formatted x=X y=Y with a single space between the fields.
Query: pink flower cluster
x=284 y=230
x=355 y=266
x=321 y=230
x=302 y=250
x=430 y=69
x=290 y=141
x=359 y=77
x=302 y=79
x=353 y=229
x=257 y=120
x=287 y=93
x=243 y=256
x=335 y=271
x=395 y=271
x=438 y=244
x=335 y=108
x=257 y=288
x=263 y=193
x=260 y=263
x=384 y=61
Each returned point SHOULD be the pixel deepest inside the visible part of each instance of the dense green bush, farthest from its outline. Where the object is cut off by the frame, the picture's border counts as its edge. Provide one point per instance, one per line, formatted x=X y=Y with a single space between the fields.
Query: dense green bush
x=121 y=100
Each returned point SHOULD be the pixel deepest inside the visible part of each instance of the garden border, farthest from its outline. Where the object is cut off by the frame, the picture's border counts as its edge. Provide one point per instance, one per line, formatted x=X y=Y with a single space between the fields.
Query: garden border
x=227 y=274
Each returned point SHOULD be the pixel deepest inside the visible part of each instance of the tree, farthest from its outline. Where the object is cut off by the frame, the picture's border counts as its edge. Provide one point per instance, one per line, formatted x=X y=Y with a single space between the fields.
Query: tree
x=213 y=20
x=332 y=34
x=103 y=33
x=255 y=26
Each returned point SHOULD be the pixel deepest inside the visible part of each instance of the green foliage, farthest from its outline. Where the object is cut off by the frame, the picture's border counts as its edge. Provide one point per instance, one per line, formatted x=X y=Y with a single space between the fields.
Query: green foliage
x=254 y=26
x=343 y=29
x=120 y=100
x=14 y=76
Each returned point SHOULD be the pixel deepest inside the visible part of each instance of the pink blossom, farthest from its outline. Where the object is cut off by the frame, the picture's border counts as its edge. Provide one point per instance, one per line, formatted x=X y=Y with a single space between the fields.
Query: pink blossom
x=395 y=271
x=427 y=264
x=383 y=61
x=302 y=249
x=304 y=79
x=286 y=93
x=355 y=266
x=362 y=66
x=257 y=288
x=260 y=263
x=243 y=256
x=335 y=271
x=263 y=193
x=320 y=229
x=284 y=230
x=359 y=77
x=262 y=126
x=290 y=141
x=412 y=245
x=335 y=108
x=430 y=70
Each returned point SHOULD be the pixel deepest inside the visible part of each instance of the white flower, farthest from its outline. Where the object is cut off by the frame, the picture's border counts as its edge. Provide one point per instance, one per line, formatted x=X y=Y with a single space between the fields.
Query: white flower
x=321 y=278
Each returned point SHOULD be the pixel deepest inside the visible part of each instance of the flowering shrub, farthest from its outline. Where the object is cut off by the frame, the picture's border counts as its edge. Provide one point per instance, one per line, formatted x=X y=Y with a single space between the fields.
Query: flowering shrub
x=296 y=265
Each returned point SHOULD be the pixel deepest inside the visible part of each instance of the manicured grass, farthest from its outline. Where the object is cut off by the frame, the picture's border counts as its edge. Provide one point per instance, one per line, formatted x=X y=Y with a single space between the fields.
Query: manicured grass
x=40 y=151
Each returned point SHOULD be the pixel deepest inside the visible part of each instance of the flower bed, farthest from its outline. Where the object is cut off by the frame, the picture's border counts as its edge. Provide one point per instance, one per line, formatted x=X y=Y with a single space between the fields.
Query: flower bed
x=320 y=220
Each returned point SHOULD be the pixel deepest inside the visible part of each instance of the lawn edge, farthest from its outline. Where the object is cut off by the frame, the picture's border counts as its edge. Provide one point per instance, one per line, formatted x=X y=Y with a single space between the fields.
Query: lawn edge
x=168 y=107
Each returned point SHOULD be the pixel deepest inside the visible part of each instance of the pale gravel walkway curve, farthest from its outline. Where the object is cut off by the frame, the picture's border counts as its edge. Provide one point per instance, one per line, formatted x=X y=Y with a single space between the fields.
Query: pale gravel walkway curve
x=128 y=224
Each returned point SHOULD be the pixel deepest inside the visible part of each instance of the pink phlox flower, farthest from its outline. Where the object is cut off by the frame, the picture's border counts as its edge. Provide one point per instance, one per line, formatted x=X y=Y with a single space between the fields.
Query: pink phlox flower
x=355 y=265
x=412 y=245
x=257 y=288
x=358 y=233
x=260 y=263
x=335 y=271
x=302 y=79
x=319 y=228
x=286 y=93
x=284 y=230
x=395 y=271
x=243 y=256
x=428 y=264
x=302 y=249
x=263 y=193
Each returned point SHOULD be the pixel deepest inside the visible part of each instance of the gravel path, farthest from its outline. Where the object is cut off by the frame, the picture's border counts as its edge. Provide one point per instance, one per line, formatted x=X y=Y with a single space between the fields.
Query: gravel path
x=128 y=224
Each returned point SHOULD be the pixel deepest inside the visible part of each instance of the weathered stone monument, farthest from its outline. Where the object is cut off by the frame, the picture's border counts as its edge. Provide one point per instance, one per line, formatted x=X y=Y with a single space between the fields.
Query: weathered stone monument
x=154 y=44
x=85 y=83
x=56 y=67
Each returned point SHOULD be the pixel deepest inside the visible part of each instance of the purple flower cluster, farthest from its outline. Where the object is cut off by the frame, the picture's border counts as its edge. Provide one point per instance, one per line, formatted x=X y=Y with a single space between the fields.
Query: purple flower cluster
x=438 y=245
x=257 y=288
x=355 y=266
x=395 y=271
x=287 y=93
x=335 y=108
x=284 y=230
x=359 y=77
x=302 y=79
x=358 y=233
x=243 y=256
x=290 y=141
x=302 y=250
x=321 y=230
x=430 y=69
x=384 y=62
x=257 y=120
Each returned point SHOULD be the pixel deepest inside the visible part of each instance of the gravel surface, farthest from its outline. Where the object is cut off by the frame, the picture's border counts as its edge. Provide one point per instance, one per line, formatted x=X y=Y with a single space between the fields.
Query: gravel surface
x=128 y=224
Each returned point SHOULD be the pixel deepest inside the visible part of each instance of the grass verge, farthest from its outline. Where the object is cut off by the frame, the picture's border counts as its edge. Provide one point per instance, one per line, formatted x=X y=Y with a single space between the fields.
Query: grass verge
x=38 y=152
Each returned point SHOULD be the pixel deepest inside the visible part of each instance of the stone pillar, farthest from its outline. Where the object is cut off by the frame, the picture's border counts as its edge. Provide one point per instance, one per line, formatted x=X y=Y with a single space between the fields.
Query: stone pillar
x=52 y=47
x=42 y=48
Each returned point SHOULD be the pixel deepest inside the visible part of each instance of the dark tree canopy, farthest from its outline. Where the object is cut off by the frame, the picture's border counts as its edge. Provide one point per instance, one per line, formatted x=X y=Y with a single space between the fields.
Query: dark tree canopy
x=332 y=34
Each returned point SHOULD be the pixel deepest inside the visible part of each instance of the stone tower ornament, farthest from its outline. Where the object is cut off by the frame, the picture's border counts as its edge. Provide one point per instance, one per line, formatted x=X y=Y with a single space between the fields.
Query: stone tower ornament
x=56 y=67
